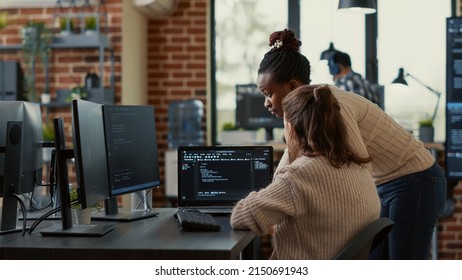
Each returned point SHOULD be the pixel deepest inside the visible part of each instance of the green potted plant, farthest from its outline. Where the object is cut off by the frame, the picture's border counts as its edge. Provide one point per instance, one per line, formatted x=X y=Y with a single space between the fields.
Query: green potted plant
x=35 y=47
x=77 y=92
x=48 y=135
x=3 y=20
x=82 y=216
x=232 y=135
x=67 y=25
x=229 y=126
x=90 y=25
x=48 y=132
x=426 y=130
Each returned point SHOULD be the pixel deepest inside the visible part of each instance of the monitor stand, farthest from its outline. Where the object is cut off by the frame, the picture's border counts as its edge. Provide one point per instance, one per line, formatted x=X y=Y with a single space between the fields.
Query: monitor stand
x=77 y=230
x=113 y=213
x=11 y=229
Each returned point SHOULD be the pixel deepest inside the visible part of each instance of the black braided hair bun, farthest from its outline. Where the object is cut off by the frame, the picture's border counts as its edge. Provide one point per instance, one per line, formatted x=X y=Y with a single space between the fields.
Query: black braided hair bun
x=288 y=39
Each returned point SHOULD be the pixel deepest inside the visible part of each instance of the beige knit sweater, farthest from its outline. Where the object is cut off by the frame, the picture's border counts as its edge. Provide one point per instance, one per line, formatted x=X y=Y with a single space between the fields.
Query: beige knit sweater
x=394 y=151
x=317 y=208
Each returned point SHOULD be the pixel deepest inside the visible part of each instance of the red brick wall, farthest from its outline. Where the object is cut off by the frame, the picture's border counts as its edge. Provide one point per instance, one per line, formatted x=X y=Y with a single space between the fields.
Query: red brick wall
x=67 y=67
x=450 y=230
x=176 y=61
x=176 y=65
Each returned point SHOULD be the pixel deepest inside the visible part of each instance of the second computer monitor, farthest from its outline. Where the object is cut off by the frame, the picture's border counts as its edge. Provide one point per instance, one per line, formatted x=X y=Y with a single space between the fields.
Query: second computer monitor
x=115 y=149
x=90 y=152
x=251 y=112
x=131 y=147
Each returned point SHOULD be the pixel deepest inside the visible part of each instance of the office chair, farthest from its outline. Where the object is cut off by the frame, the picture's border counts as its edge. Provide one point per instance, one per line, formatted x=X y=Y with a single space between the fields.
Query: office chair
x=367 y=240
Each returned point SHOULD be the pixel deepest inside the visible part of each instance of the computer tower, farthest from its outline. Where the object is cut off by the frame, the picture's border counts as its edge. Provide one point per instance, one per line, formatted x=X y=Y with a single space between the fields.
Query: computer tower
x=11 y=81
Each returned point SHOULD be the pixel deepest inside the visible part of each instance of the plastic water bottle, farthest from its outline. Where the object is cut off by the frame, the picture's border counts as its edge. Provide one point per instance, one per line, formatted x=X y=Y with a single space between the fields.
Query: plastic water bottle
x=184 y=123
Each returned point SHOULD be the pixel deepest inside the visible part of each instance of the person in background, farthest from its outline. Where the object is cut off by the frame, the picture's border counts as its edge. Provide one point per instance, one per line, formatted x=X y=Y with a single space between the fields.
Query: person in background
x=411 y=184
x=348 y=80
x=325 y=186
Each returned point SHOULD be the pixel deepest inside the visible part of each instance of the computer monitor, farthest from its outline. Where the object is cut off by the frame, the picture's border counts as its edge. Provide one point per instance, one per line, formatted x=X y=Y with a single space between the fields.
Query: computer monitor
x=30 y=115
x=115 y=153
x=89 y=152
x=251 y=112
x=132 y=158
x=89 y=192
x=453 y=136
x=20 y=146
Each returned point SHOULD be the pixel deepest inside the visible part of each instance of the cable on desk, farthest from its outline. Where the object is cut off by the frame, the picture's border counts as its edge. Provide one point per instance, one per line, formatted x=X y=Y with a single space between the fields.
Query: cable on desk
x=23 y=210
x=51 y=183
x=46 y=215
x=33 y=203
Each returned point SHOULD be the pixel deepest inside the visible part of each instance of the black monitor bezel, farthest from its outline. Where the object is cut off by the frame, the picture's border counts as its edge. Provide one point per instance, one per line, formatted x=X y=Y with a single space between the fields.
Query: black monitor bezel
x=244 y=110
x=147 y=122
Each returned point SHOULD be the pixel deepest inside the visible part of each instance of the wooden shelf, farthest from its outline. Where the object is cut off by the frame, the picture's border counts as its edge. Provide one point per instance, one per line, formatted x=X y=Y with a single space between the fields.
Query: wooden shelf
x=73 y=41
x=83 y=41
x=80 y=41
x=10 y=48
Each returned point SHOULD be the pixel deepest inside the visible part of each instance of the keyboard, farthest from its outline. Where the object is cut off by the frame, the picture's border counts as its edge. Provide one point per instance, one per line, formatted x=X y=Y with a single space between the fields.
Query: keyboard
x=226 y=210
x=194 y=220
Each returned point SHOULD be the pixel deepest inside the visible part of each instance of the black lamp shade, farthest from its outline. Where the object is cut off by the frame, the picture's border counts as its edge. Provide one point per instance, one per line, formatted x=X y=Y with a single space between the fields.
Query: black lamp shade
x=326 y=54
x=365 y=6
x=400 y=79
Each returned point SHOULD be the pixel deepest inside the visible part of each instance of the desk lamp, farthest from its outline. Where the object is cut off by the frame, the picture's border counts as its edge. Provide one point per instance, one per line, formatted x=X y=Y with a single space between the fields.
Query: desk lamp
x=401 y=80
x=363 y=6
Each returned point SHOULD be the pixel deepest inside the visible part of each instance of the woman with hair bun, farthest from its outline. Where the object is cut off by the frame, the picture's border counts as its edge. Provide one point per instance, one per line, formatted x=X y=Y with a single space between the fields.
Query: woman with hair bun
x=325 y=186
x=410 y=183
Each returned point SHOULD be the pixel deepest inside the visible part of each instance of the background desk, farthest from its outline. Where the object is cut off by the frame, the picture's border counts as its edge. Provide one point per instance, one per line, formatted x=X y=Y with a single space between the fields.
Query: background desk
x=153 y=238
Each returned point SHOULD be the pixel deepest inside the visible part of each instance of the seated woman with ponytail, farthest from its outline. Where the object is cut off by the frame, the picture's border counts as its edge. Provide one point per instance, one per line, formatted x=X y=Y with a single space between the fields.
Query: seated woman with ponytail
x=324 y=196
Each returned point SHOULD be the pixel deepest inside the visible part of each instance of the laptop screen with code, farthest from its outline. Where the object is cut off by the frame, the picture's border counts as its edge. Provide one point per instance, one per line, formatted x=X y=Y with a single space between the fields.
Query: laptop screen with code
x=221 y=175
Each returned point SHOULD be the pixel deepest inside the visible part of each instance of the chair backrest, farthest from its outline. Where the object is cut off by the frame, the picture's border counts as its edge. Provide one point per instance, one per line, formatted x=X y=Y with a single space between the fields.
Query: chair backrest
x=366 y=241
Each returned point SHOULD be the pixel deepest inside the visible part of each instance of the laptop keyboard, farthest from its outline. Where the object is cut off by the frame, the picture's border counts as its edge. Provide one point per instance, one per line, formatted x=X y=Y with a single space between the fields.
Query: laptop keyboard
x=194 y=220
x=211 y=209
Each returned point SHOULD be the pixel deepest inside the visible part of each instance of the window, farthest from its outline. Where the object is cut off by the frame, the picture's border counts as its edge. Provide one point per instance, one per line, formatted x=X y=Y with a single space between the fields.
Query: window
x=242 y=29
x=406 y=38
x=412 y=35
x=321 y=24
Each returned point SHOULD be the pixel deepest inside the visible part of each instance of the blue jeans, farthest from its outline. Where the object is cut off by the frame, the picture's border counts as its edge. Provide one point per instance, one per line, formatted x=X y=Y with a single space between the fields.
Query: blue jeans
x=414 y=202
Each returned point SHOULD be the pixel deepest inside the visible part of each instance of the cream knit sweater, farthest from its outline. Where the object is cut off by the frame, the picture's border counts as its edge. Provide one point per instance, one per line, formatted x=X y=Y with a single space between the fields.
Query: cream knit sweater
x=371 y=132
x=317 y=208
x=394 y=151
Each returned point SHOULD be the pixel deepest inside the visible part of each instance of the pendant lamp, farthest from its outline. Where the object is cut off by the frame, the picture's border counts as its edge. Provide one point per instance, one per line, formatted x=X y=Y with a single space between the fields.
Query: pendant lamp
x=363 y=6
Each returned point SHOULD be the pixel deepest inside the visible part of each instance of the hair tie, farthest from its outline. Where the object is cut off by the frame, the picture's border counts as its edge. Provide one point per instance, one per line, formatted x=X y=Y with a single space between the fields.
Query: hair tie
x=277 y=44
x=319 y=92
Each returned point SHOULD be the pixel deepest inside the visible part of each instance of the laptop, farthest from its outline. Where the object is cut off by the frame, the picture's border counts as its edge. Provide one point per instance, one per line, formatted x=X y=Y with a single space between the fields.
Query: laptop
x=212 y=179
